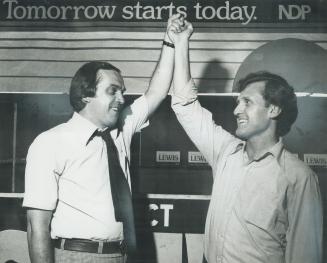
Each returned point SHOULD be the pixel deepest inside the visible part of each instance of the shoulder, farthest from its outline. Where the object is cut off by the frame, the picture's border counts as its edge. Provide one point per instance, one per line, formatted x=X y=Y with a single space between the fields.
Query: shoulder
x=296 y=170
x=50 y=138
x=135 y=115
x=139 y=104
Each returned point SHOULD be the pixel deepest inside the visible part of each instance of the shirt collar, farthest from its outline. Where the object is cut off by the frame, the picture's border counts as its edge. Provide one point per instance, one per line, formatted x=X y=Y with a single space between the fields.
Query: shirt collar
x=83 y=127
x=275 y=150
x=115 y=133
x=239 y=146
x=86 y=128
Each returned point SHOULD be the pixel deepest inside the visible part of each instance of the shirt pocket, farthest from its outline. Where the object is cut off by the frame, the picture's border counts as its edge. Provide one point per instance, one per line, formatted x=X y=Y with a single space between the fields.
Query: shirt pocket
x=263 y=214
x=261 y=209
x=262 y=197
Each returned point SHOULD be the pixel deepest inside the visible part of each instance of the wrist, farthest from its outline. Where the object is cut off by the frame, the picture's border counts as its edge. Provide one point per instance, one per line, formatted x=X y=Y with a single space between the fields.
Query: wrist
x=182 y=44
x=168 y=44
x=167 y=38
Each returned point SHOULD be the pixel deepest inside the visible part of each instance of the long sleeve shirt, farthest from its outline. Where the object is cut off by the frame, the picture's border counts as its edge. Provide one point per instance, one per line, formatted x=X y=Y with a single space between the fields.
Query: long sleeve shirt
x=267 y=210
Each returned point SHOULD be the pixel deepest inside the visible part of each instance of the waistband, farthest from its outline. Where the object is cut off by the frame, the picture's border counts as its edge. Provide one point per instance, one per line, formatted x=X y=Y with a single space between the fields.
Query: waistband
x=90 y=246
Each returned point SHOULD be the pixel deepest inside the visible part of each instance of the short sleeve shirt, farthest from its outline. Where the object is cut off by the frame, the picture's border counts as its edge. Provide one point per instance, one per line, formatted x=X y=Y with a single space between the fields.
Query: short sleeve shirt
x=67 y=171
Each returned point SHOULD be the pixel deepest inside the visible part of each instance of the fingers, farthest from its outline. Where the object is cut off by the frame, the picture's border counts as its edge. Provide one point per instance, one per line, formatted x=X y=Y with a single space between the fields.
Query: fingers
x=188 y=26
x=174 y=17
x=178 y=28
x=176 y=23
x=182 y=20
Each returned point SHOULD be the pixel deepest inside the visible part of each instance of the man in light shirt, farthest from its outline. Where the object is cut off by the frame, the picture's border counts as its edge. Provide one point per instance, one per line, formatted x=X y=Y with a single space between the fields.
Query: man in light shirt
x=71 y=213
x=265 y=205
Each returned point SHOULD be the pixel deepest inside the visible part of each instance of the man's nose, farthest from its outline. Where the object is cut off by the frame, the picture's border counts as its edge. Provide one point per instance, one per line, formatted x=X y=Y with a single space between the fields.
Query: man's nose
x=237 y=109
x=120 y=97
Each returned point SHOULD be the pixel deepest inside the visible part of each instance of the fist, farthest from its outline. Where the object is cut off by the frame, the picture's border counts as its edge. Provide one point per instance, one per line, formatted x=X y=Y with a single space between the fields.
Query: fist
x=178 y=28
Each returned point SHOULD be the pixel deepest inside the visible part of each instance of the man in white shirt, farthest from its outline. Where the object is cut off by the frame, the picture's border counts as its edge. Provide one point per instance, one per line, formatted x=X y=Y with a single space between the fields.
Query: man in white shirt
x=265 y=205
x=70 y=208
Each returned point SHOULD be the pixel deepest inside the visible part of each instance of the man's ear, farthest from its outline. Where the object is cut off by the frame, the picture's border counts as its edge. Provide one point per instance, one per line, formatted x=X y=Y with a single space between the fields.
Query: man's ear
x=274 y=111
x=86 y=99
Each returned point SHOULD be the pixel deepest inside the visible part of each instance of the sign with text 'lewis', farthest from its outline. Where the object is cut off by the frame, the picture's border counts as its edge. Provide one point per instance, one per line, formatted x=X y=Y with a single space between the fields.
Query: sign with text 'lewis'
x=315 y=159
x=196 y=158
x=168 y=157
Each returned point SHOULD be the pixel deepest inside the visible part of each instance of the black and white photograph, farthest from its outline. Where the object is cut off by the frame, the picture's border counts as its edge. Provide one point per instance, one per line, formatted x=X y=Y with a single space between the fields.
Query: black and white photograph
x=167 y=131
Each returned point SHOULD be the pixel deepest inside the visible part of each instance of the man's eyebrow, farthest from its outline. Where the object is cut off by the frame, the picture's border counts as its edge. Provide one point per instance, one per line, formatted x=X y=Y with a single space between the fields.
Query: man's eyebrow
x=242 y=97
x=245 y=97
x=118 y=87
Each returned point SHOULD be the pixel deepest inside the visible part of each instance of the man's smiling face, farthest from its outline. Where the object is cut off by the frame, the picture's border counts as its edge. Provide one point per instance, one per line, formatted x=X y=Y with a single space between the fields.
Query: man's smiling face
x=252 y=113
x=108 y=101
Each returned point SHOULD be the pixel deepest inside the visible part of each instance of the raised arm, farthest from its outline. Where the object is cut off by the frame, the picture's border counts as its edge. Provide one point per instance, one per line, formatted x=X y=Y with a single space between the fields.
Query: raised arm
x=162 y=75
x=197 y=122
x=182 y=74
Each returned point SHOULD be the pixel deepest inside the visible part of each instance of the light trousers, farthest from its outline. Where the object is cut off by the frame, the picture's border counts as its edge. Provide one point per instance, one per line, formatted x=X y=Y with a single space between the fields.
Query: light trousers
x=66 y=256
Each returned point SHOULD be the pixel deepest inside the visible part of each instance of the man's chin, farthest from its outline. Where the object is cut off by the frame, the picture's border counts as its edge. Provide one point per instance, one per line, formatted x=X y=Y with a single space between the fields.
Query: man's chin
x=112 y=124
x=241 y=135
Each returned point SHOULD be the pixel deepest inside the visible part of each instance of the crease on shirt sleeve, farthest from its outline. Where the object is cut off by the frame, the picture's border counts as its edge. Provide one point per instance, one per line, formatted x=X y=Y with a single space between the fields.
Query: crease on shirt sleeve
x=141 y=105
x=147 y=122
x=185 y=95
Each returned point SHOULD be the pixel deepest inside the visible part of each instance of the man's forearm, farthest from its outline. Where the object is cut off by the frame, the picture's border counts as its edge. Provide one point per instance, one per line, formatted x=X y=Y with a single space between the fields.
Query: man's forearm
x=182 y=66
x=161 y=78
x=182 y=73
x=38 y=236
x=162 y=75
x=40 y=247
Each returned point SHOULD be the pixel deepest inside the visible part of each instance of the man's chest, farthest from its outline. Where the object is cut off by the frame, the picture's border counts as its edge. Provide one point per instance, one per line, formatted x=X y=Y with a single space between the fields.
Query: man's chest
x=257 y=191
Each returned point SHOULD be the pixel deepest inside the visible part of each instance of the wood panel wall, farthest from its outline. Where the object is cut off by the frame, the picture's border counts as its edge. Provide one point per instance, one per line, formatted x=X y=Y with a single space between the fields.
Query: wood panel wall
x=44 y=62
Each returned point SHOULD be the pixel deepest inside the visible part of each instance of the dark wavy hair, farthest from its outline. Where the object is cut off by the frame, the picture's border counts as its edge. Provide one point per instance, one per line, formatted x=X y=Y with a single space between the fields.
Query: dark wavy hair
x=84 y=83
x=277 y=92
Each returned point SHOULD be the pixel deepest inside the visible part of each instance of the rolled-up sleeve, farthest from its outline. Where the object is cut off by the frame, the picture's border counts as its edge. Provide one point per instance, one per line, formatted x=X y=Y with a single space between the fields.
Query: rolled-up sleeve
x=208 y=137
x=185 y=95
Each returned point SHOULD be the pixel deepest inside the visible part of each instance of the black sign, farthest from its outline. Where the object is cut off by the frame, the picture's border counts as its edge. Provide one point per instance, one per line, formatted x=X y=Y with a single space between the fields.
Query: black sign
x=243 y=12
x=171 y=215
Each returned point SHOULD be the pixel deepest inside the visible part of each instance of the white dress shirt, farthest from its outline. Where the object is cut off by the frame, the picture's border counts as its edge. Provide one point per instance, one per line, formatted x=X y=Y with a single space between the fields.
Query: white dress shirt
x=67 y=171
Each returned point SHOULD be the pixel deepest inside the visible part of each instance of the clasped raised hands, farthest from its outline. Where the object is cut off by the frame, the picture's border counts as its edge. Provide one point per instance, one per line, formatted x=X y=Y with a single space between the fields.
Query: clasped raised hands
x=178 y=29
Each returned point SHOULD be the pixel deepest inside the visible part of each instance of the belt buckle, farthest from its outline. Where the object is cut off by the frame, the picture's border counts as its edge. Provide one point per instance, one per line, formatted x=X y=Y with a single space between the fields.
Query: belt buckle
x=100 y=247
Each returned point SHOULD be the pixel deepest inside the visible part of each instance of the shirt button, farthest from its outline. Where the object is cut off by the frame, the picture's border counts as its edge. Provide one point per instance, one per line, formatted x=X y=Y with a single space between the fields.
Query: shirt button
x=219 y=259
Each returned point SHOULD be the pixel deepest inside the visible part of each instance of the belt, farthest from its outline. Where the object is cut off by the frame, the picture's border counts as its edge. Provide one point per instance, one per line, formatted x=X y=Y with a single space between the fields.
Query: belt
x=90 y=246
